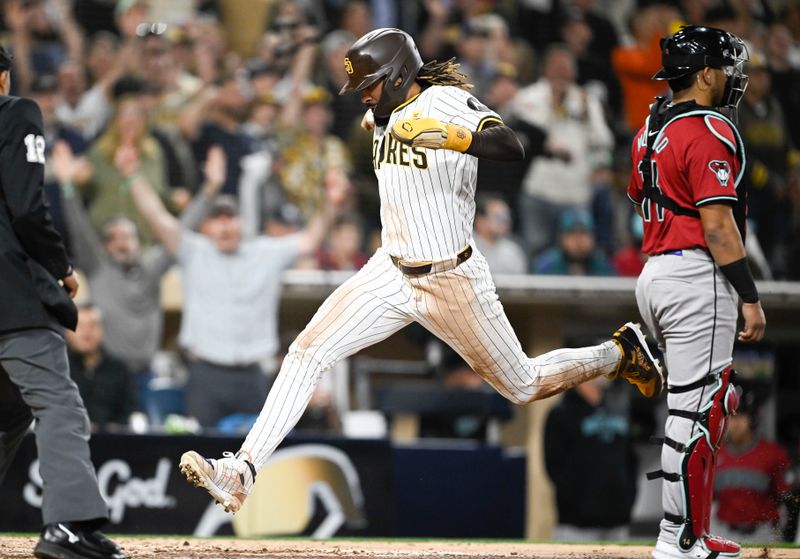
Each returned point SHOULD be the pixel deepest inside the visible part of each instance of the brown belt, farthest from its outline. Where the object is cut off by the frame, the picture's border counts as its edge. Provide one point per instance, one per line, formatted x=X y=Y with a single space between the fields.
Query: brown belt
x=421 y=268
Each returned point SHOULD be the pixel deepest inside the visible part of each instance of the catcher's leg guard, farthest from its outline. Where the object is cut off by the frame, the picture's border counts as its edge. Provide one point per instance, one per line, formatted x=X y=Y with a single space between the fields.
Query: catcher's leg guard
x=696 y=475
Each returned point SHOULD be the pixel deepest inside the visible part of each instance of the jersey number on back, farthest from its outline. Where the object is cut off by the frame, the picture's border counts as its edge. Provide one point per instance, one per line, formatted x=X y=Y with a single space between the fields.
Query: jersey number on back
x=646 y=203
x=34 y=145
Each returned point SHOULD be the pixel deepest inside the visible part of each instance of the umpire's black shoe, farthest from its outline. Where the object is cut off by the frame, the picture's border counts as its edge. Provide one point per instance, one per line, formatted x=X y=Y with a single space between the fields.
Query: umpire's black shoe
x=68 y=540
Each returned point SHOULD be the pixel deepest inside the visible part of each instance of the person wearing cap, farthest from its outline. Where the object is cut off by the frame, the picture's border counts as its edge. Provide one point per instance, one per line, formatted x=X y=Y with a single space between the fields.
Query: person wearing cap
x=172 y=85
x=231 y=292
x=124 y=277
x=576 y=253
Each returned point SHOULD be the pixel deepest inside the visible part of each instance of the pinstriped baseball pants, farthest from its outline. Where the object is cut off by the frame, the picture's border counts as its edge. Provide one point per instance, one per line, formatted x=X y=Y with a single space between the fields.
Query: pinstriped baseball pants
x=459 y=306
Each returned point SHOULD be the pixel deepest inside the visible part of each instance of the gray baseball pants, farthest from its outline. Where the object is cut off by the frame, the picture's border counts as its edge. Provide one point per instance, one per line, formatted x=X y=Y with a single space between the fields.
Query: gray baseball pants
x=35 y=384
x=691 y=311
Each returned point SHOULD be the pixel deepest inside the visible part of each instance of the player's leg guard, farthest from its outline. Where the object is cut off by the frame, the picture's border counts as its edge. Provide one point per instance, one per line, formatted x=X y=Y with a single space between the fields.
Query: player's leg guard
x=696 y=464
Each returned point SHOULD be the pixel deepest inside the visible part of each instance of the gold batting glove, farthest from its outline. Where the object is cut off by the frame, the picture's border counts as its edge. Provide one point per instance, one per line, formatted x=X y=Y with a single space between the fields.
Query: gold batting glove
x=431 y=133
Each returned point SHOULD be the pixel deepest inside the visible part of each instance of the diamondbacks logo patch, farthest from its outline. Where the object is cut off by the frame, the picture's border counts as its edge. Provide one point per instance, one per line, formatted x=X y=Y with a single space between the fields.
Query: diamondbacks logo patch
x=722 y=170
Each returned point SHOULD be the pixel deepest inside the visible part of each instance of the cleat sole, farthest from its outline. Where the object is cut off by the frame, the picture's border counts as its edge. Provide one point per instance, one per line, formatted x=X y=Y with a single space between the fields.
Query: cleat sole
x=191 y=472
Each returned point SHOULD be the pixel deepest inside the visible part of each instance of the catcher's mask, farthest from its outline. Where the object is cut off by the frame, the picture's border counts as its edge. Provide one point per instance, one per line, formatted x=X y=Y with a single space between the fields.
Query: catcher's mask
x=386 y=54
x=694 y=47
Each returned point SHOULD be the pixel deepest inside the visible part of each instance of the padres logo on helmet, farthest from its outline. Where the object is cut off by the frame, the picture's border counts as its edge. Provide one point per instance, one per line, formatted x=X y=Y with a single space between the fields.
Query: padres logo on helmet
x=348 y=66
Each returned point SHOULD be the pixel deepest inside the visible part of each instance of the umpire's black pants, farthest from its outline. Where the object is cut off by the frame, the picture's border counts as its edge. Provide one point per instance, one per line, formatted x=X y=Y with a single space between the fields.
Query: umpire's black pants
x=35 y=384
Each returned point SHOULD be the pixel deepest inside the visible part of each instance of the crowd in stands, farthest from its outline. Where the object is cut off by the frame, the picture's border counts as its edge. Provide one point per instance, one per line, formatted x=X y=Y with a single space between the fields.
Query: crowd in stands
x=209 y=136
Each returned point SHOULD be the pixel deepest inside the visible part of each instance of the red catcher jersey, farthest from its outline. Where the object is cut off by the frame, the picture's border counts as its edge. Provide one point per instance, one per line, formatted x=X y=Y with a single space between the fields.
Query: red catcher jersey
x=695 y=163
x=749 y=483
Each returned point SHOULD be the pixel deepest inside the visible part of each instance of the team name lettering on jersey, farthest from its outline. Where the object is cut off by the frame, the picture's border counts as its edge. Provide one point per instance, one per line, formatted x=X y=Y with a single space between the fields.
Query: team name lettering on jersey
x=389 y=151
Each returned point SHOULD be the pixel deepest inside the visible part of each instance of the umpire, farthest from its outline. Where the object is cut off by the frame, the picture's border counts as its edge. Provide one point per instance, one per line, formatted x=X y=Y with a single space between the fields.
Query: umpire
x=37 y=285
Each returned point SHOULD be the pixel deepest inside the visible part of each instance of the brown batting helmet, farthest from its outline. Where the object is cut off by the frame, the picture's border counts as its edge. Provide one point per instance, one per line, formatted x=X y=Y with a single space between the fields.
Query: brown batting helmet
x=386 y=54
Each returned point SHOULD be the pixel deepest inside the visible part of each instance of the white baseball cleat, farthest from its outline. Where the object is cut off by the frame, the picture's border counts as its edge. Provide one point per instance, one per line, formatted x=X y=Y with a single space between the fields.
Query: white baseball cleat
x=707 y=547
x=229 y=480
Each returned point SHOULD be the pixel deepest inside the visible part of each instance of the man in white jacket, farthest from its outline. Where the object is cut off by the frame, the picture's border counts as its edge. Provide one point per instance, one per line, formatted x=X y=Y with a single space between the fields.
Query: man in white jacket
x=568 y=127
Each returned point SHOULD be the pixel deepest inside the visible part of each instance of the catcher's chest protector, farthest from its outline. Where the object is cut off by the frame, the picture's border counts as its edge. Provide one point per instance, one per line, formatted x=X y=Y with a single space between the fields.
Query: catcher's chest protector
x=661 y=116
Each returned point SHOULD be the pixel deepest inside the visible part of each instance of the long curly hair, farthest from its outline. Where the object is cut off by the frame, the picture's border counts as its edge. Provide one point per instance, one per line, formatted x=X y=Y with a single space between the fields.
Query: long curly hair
x=443 y=73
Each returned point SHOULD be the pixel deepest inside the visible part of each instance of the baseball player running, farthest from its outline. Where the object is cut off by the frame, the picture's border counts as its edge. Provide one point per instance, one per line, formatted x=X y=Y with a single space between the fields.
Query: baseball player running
x=688 y=161
x=428 y=133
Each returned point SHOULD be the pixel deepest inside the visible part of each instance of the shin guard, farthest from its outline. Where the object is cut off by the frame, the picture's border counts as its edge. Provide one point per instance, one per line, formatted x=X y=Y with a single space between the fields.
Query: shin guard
x=696 y=475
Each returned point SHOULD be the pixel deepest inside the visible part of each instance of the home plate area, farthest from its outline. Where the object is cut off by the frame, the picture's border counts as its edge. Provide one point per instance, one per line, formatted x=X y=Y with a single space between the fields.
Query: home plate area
x=18 y=547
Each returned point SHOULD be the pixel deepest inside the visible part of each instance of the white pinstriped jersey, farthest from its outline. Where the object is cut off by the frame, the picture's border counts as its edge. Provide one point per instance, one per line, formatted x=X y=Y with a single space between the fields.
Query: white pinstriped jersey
x=428 y=196
x=427 y=209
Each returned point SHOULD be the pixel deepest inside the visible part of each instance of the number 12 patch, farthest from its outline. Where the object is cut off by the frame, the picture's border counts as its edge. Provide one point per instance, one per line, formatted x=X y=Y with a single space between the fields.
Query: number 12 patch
x=34 y=145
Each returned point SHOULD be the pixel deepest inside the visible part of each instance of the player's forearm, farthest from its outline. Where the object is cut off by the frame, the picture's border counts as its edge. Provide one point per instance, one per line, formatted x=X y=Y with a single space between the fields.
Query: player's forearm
x=164 y=225
x=726 y=247
x=722 y=237
x=498 y=143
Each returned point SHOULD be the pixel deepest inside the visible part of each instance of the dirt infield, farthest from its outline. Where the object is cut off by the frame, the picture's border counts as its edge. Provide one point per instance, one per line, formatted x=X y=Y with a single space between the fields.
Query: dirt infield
x=188 y=548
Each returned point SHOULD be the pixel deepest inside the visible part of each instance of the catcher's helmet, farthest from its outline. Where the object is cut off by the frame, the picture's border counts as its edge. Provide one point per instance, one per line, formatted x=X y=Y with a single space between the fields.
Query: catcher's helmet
x=387 y=54
x=695 y=47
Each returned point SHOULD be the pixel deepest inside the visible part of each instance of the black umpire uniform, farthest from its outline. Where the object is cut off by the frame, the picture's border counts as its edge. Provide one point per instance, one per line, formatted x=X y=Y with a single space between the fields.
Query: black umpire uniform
x=34 y=371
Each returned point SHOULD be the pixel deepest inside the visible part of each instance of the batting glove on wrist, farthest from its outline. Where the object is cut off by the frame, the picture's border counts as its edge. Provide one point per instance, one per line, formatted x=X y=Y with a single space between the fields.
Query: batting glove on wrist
x=431 y=133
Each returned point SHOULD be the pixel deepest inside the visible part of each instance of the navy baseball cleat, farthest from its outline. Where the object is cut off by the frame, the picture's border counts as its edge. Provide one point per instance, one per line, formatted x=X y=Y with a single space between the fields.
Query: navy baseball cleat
x=69 y=540
x=638 y=366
